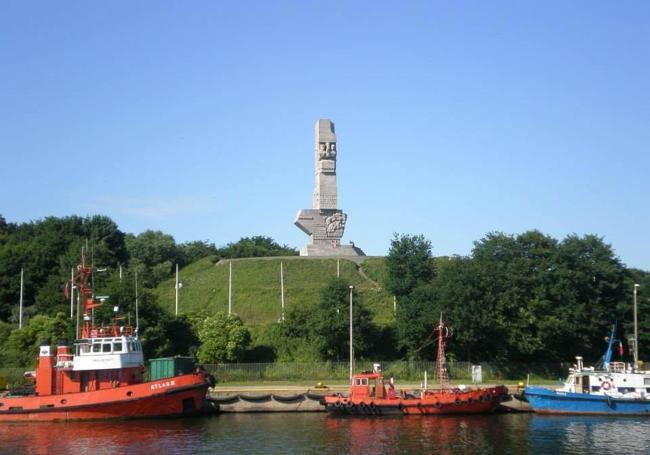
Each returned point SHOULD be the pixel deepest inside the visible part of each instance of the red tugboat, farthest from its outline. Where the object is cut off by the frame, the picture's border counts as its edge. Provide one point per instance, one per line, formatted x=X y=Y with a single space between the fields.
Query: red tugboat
x=103 y=378
x=371 y=395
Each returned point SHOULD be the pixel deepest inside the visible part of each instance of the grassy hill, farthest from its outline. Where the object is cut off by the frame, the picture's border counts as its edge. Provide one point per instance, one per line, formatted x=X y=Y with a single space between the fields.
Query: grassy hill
x=256 y=286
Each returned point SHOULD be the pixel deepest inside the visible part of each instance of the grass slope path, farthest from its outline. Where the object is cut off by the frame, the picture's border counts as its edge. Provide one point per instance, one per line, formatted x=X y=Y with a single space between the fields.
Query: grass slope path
x=256 y=295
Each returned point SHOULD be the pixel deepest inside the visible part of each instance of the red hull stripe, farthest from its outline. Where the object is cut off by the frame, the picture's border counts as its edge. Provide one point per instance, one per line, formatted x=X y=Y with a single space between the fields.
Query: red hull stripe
x=107 y=403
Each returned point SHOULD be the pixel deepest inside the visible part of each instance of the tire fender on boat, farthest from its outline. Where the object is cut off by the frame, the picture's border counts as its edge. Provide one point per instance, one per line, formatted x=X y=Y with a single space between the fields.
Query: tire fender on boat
x=437 y=405
x=606 y=385
x=458 y=402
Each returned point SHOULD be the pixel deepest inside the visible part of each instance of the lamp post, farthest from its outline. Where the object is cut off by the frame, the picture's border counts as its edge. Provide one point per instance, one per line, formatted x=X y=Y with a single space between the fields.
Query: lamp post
x=20 y=309
x=636 y=335
x=351 y=345
x=281 y=292
x=177 y=287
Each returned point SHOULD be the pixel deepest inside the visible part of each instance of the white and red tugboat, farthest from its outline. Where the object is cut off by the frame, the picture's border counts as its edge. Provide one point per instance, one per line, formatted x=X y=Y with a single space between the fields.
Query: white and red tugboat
x=102 y=378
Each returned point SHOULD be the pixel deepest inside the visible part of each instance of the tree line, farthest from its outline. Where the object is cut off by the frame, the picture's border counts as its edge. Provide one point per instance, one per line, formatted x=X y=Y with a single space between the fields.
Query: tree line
x=525 y=297
x=47 y=250
x=522 y=298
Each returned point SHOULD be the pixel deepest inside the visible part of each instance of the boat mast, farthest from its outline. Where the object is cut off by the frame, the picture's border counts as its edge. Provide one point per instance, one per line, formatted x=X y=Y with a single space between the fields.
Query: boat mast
x=636 y=334
x=441 y=363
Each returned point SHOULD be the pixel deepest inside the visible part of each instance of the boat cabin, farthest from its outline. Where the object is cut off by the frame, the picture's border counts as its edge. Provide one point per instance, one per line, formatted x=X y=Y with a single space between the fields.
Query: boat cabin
x=619 y=380
x=370 y=385
x=97 y=363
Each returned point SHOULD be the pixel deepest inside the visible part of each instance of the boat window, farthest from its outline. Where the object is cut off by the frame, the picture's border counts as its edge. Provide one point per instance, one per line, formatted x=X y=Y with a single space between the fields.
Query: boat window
x=106 y=347
x=117 y=347
x=85 y=348
x=361 y=381
x=97 y=347
x=646 y=381
x=577 y=380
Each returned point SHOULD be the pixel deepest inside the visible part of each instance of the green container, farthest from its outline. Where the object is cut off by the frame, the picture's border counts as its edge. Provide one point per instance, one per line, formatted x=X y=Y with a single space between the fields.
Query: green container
x=169 y=367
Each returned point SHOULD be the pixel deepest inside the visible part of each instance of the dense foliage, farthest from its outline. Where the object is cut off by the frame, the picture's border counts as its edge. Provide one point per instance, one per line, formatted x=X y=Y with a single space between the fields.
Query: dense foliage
x=524 y=297
x=257 y=246
x=47 y=250
x=321 y=331
x=223 y=339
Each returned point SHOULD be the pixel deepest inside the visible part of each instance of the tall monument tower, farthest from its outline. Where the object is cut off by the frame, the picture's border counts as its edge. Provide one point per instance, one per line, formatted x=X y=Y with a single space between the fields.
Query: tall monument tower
x=324 y=223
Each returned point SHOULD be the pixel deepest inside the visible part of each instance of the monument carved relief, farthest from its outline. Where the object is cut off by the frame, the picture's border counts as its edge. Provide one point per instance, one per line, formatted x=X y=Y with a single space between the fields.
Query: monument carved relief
x=324 y=222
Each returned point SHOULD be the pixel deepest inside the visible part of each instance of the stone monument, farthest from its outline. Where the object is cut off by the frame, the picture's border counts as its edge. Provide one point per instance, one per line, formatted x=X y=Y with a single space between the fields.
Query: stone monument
x=324 y=223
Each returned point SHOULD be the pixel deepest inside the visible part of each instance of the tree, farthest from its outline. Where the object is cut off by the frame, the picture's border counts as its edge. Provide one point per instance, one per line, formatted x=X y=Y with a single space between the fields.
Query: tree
x=47 y=249
x=415 y=318
x=21 y=347
x=408 y=264
x=589 y=281
x=257 y=246
x=321 y=332
x=169 y=336
x=153 y=254
x=191 y=252
x=331 y=322
x=223 y=339
x=409 y=268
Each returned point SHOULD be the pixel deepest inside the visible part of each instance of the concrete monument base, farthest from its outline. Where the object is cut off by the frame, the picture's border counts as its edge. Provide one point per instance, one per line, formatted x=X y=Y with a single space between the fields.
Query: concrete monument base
x=324 y=223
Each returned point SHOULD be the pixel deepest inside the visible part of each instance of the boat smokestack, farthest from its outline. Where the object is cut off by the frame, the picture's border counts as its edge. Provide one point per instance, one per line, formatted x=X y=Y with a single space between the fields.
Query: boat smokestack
x=578 y=363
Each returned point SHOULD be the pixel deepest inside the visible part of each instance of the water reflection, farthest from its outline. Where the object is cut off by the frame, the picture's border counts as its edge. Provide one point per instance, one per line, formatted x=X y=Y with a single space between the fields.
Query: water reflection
x=593 y=434
x=317 y=433
x=102 y=437
x=432 y=434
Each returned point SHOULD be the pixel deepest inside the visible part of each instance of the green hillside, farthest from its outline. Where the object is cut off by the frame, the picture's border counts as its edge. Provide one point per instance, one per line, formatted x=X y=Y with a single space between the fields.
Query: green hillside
x=256 y=286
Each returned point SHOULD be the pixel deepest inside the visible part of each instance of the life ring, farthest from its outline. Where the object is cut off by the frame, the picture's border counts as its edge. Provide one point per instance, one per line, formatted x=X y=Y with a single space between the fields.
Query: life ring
x=606 y=385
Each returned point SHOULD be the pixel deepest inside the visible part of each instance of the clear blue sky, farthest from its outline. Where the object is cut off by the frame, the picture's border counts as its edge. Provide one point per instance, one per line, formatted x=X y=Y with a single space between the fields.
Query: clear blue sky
x=454 y=119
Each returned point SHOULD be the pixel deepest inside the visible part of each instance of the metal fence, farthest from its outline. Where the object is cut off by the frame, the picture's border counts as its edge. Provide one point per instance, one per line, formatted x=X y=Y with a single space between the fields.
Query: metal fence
x=339 y=371
x=400 y=370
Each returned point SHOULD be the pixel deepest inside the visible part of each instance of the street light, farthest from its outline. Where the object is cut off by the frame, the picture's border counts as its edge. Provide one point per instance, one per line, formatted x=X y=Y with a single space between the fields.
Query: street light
x=636 y=336
x=351 y=346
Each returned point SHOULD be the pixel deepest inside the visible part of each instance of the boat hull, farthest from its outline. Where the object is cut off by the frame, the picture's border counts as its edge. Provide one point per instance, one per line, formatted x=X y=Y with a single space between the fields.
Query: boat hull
x=478 y=401
x=180 y=395
x=546 y=401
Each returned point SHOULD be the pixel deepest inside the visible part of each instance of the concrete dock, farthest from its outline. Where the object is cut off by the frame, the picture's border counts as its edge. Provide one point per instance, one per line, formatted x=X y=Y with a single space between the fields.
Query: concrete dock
x=300 y=399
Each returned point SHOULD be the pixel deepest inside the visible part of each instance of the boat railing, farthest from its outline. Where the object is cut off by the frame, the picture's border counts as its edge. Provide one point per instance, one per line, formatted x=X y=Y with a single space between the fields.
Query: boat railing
x=617 y=367
x=64 y=361
x=111 y=331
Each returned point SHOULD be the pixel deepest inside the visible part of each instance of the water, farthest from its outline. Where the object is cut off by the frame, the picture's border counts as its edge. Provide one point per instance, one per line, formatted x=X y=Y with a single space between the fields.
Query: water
x=317 y=433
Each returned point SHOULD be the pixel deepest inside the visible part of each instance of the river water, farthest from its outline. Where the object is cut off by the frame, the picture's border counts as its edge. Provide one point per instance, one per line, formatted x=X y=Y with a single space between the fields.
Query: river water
x=318 y=433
